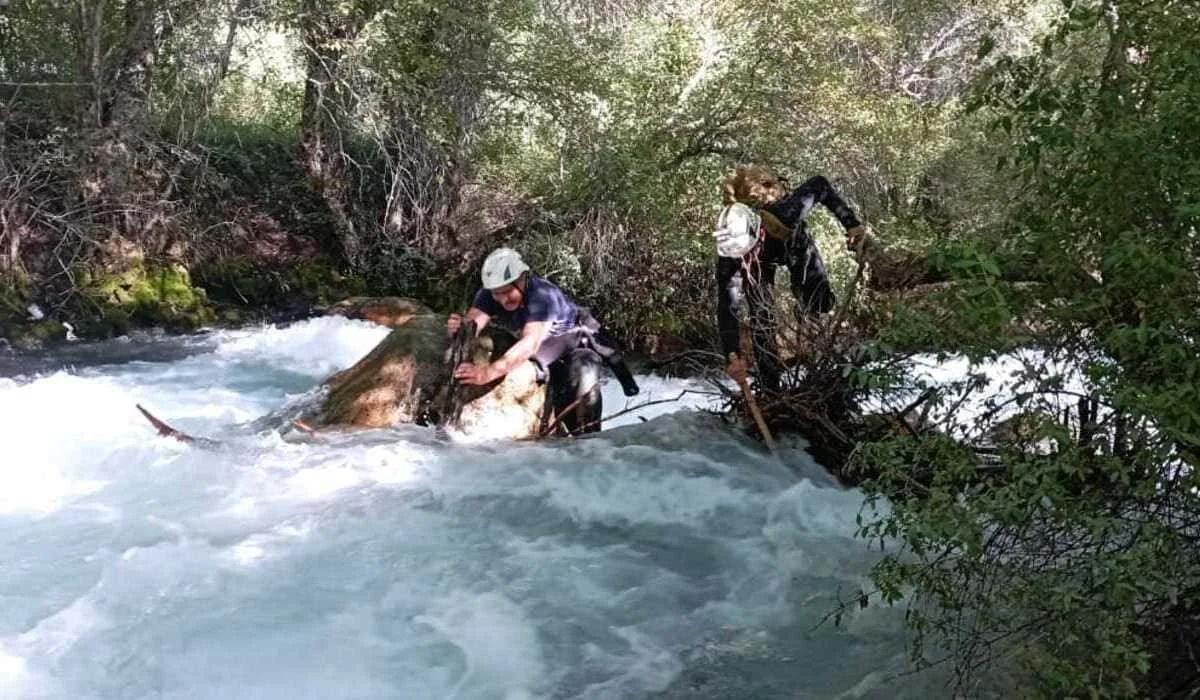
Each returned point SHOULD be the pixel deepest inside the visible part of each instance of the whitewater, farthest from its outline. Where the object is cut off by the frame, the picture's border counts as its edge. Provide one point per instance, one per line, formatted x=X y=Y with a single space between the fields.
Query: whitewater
x=667 y=557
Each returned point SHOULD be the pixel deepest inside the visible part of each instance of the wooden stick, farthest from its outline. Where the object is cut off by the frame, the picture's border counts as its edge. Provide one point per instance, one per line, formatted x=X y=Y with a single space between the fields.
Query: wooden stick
x=167 y=431
x=752 y=405
x=640 y=406
x=164 y=429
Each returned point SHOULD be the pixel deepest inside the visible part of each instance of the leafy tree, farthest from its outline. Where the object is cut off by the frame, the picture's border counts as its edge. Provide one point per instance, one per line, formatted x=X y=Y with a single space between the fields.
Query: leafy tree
x=1073 y=550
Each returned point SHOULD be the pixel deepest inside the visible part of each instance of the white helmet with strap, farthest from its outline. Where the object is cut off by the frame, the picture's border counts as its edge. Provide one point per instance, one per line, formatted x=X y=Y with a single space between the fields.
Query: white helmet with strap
x=737 y=230
x=503 y=266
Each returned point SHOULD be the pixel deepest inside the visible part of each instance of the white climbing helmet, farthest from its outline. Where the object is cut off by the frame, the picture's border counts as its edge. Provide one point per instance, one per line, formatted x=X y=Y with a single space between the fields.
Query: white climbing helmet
x=737 y=230
x=503 y=266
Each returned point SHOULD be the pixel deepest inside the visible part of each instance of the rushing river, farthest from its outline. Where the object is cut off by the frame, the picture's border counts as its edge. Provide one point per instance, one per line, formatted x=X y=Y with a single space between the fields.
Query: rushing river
x=668 y=557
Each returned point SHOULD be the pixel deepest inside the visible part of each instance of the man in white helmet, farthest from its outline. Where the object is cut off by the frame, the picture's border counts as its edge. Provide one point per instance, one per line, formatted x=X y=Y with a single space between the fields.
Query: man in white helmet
x=755 y=237
x=563 y=339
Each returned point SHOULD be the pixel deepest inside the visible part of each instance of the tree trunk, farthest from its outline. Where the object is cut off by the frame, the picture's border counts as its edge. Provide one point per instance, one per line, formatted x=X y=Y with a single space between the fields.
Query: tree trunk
x=324 y=116
x=235 y=23
x=405 y=379
x=237 y=13
x=117 y=115
x=428 y=174
x=87 y=24
x=128 y=103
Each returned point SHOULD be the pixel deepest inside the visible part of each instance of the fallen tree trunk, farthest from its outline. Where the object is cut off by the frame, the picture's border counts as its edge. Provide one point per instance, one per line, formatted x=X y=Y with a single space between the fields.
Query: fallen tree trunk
x=392 y=312
x=406 y=379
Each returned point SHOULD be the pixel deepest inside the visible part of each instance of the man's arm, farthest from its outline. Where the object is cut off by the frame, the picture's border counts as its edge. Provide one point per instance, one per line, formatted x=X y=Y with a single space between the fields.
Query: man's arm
x=532 y=336
x=797 y=204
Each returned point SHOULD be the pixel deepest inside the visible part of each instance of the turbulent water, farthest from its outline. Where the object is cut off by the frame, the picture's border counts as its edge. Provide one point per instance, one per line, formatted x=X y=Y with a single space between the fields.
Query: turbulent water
x=662 y=558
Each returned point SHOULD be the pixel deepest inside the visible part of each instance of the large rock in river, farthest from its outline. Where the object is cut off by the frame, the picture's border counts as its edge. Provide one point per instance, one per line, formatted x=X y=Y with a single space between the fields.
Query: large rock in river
x=406 y=379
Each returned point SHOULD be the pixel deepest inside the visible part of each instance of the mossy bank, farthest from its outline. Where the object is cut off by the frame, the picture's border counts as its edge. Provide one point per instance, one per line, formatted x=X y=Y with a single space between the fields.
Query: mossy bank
x=167 y=295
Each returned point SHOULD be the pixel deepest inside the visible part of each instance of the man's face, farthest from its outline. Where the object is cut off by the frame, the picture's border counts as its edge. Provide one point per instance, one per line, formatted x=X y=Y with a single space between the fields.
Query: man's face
x=508 y=296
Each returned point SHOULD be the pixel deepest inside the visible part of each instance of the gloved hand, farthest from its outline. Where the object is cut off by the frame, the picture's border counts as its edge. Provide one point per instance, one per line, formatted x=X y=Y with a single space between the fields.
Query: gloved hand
x=856 y=237
x=737 y=368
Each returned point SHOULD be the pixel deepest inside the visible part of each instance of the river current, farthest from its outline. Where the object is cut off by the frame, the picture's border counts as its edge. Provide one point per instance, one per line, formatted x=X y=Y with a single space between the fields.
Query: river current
x=668 y=556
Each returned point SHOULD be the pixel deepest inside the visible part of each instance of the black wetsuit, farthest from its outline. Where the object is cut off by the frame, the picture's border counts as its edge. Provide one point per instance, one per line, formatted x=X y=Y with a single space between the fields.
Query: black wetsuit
x=752 y=277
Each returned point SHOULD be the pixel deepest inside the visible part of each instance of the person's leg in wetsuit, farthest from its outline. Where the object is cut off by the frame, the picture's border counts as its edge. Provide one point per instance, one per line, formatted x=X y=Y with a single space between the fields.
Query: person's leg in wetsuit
x=761 y=313
x=608 y=350
x=809 y=280
x=575 y=390
x=750 y=281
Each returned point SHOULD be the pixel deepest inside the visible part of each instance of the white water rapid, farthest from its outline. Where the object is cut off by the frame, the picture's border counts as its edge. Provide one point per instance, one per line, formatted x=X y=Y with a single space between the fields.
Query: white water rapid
x=668 y=558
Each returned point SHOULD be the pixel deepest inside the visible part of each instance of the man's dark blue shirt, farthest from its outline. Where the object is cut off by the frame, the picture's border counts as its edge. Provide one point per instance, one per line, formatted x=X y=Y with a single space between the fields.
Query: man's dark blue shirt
x=542 y=302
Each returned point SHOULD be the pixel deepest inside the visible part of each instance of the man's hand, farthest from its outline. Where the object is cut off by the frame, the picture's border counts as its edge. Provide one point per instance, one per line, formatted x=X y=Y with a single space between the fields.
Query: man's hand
x=475 y=374
x=736 y=368
x=856 y=237
x=453 y=323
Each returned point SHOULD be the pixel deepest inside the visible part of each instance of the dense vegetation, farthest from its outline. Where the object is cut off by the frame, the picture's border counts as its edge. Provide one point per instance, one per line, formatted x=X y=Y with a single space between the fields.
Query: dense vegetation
x=176 y=162
x=389 y=144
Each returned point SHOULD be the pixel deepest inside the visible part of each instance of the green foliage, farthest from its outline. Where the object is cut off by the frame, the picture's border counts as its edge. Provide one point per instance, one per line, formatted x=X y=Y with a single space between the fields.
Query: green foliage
x=1071 y=554
x=259 y=165
x=642 y=120
x=617 y=126
x=14 y=295
x=240 y=282
x=271 y=102
x=35 y=50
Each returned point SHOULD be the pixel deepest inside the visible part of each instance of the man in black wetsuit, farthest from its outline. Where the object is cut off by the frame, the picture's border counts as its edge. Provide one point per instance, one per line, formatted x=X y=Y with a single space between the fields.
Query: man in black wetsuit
x=751 y=242
x=564 y=340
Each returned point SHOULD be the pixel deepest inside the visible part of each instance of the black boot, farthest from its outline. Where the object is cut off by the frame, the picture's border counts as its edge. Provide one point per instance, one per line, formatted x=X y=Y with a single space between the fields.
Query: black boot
x=621 y=371
x=606 y=347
